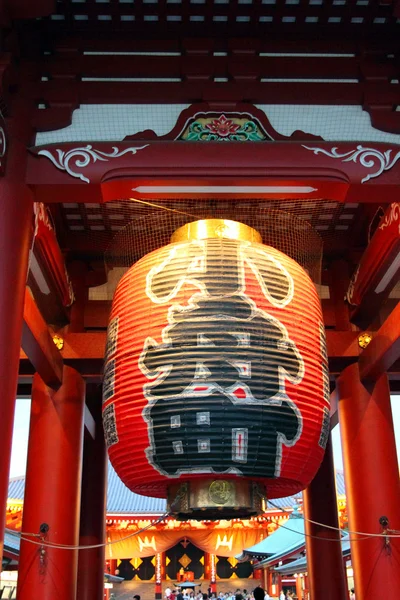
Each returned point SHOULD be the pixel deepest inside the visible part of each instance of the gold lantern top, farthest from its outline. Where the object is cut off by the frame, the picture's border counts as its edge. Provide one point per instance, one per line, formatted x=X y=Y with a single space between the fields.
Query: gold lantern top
x=216 y=228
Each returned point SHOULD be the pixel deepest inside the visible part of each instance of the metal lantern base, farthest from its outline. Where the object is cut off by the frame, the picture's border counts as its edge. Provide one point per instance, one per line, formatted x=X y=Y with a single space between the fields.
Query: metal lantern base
x=216 y=499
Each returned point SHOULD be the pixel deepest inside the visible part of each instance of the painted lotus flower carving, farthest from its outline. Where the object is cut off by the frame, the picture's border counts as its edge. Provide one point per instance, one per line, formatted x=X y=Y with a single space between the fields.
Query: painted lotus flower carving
x=223 y=126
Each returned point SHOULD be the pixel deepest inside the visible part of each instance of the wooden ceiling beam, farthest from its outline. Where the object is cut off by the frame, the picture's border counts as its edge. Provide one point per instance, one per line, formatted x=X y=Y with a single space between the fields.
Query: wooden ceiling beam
x=38 y=345
x=56 y=93
x=347 y=67
x=296 y=43
x=384 y=349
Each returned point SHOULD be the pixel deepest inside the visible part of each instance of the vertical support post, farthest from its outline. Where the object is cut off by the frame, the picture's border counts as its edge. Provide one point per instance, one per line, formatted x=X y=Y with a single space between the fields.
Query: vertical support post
x=372 y=482
x=269 y=581
x=276 y=586
x=213 y=574
x=158 y=576
x=90 y=584
x=112 y=566
x=16 y=210
x=338 y=289
x=324 y=557
x=77 y=271
x=52 y=490
x=265 y=579
x=299 y=587
x=93 y=506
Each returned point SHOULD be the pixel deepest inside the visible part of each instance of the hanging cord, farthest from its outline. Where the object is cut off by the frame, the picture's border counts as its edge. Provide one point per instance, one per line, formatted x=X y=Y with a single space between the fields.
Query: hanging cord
x=393 y=533
x=92 y=546
x=165 y=208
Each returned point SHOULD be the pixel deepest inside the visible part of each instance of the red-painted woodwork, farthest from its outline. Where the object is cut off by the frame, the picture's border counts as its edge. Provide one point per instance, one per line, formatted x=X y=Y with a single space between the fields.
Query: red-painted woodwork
x=38 y=344
x=324 y=554
x=378 y=271
x=142 y=310
x=208 y=110
x=78 y=271
x=299 y=588
x=347 y=72
x=15 y=208
x=90 y=585
x=24 y=9
x=48 y=277
x=288 y=164
x=52 y=489
x=384 y=349
x=372 y=482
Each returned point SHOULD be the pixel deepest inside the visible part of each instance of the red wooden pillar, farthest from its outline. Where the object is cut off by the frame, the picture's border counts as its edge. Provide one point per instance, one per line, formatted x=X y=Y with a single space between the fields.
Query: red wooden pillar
x=77 y=270
x=210 y=570
x=53 y=489
x=93 y=506
x=94 y=475
x=265 y=579
x=372 y=482
x=16 y=209
x=276 y=586
x=158 y=575
x=324 y=558
x=299 y=587
x=111 y=566
x=269 y=581
x=213 y=574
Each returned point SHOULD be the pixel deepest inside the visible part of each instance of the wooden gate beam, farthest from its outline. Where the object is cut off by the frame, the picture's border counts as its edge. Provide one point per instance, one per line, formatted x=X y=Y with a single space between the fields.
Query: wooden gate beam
x=384 y=349
x=38 y=345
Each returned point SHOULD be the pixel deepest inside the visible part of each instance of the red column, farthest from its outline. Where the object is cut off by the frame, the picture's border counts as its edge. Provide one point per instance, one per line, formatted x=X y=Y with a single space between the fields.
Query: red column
x=372 y=482
x=324 y=558
x=213 y=574
x=15 y=236
x=16 y=211
x=299 y=588
x=53 y=489
x=93 y=506
x=158 y=576
x=269 y=581
x=77 y=271
x=265 y=579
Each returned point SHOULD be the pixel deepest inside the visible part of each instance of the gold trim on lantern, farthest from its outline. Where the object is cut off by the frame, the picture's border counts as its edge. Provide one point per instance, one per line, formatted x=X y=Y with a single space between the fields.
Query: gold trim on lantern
x=216 y=228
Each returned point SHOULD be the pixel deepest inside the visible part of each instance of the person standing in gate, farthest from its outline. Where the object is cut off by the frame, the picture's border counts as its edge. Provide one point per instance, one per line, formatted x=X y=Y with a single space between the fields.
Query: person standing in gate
x=259 y=593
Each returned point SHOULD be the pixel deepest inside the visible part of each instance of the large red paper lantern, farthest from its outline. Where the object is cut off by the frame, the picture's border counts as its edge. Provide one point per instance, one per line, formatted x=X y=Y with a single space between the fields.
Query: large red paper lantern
x=216 y=387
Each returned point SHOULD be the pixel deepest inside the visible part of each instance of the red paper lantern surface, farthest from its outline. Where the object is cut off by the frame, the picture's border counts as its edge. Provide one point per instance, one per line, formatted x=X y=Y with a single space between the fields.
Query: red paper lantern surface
x=216 y=363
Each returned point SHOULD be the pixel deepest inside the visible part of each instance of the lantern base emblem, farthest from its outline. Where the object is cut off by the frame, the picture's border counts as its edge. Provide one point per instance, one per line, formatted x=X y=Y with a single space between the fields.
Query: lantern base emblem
x=217 y=498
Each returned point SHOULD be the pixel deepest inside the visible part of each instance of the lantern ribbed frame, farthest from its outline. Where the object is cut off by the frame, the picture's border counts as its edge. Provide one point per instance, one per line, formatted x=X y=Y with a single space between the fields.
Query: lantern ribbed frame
x=152 y=422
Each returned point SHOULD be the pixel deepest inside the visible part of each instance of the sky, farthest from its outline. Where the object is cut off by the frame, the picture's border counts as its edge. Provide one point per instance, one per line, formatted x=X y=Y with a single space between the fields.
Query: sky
x=21 y=431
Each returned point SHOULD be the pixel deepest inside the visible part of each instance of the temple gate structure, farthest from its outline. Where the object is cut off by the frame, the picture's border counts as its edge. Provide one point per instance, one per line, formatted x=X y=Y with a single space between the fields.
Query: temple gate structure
x=122 y=120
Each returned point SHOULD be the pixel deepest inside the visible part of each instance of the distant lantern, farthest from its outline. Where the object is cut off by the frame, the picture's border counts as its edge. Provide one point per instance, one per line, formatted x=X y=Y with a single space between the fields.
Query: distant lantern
x=216 y=386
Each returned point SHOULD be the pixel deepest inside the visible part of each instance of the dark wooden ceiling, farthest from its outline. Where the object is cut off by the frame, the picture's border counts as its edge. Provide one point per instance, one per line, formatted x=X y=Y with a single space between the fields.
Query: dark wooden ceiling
x=74 y=52
x=219 y=18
